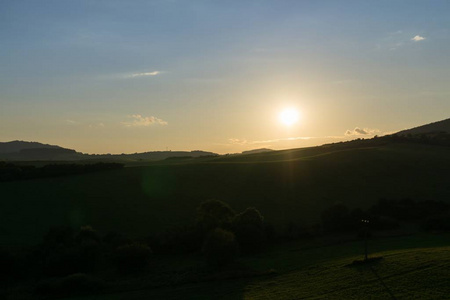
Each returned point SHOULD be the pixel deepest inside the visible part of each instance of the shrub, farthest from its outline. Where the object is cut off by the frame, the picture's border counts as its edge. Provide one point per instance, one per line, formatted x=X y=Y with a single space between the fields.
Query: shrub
x=437 y=223
x=336 y=218
x=9 y=265
x=132 y=258
x=185 y=239
x=89 y=255
x=220 y=248
x=114 y=239
x=87 y=233
x=383 y=223
x=62 y=236
x=64 y=254
x=71 y=285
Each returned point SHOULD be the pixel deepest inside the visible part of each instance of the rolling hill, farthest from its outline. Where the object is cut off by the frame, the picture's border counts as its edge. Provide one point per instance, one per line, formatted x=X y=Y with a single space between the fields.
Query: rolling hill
x=34 y=151
x=288 y=187
x=436 y=127
x=17 y=146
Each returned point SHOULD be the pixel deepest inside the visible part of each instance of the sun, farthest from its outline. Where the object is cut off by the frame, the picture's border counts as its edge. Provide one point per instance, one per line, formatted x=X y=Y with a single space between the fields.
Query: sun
x=289 y=116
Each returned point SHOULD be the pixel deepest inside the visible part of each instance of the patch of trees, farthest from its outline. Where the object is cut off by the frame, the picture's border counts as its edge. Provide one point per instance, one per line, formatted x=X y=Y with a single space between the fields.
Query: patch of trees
x=218 y=221
x=387 y=214
x=219 y=233
x=10 y=171
x=70 y=261
x=440 y=138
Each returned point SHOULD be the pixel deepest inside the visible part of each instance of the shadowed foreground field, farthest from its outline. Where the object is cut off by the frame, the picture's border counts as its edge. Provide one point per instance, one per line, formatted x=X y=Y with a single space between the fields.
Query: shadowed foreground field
x=291 y=186
x=404 y=272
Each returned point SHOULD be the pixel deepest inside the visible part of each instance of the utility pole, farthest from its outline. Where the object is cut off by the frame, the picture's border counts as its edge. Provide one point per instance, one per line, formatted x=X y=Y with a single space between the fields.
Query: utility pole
x=366 y=233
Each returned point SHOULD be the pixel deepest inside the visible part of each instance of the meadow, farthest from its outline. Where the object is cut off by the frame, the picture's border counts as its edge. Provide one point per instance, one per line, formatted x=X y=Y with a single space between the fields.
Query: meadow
x=412 y=267
x=287 y=187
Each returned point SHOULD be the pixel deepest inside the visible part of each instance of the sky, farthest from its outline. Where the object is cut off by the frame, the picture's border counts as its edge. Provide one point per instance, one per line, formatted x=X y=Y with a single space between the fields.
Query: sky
x=132 y=76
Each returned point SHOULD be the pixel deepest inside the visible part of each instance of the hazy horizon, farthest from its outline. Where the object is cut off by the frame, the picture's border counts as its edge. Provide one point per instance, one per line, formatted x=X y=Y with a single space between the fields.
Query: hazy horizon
x=126 y=77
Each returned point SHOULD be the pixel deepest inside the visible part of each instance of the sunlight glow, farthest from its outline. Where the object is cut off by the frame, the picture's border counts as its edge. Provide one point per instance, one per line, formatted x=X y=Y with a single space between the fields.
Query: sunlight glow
x=289 y=116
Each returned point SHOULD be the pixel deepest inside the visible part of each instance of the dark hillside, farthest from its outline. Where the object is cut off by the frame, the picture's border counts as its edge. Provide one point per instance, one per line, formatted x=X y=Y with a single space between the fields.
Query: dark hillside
x=440 y=126
x=17 y=146
x=286 y=186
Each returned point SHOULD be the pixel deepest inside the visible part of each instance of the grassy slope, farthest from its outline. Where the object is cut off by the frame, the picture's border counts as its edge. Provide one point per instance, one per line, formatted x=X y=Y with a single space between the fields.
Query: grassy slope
x=412 y=268
x=292 y=185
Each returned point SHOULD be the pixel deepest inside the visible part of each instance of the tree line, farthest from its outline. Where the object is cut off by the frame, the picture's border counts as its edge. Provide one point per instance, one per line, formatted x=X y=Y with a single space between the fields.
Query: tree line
x=11 y=171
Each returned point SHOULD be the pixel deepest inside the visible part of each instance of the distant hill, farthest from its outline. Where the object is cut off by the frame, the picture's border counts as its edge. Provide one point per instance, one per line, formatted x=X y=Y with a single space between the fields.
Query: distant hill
x=436 y=127
x=261 y=150
x=26 y=151
x=17 y=146
x=34 y=151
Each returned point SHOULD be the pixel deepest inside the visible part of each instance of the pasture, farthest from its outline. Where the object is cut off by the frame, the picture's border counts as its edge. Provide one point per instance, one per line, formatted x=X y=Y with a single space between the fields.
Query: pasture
x=413 y=267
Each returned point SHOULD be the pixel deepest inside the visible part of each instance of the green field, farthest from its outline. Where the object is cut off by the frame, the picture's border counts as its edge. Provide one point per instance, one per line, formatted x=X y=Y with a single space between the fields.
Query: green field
x=286 y=186
x=411 y=268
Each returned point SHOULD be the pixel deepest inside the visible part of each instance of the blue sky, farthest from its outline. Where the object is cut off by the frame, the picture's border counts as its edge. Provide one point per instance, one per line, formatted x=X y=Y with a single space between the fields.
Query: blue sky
x=131 y=76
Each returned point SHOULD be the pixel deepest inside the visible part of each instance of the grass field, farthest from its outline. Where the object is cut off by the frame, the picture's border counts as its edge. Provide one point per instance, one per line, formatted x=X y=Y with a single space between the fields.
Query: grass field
x=286 y=186
x=414 y=267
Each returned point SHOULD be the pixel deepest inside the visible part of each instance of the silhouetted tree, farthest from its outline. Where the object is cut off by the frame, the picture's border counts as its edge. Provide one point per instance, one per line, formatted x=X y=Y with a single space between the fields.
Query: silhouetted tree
x=214 y=213
x=249 y=229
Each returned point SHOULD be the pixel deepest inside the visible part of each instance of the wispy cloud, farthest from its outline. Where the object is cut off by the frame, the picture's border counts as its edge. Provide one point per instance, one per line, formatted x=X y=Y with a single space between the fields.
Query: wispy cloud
x=238 y=141
x=361 y=131
x=97 y=125
x=154 y=73
x=140 y=121
x=246 y=142
x=398 y=39
x=418 y=38
x=71 y=122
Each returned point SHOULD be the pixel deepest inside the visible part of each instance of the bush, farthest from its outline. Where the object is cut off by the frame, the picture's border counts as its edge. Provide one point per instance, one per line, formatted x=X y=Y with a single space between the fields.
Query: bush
x=114 y=239
x=185 y=239
x=437 y=223
x=383 y=223
x=249 y=229
x=62 y=236
x=409 y=210
x=132 y=258
x=74 y=284
x=336 y=218
x=87 y=233
x=64 y=254
x=9 y=265
x=220 y=248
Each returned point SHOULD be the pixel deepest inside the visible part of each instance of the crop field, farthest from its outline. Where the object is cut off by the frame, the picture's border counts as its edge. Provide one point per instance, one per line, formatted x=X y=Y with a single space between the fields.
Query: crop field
x=286 y=186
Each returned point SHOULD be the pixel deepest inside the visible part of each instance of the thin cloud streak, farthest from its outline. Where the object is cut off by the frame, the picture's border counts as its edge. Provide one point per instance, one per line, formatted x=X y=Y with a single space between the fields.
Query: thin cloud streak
x=140 y=121
x=143 y=74
x=246 y=142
